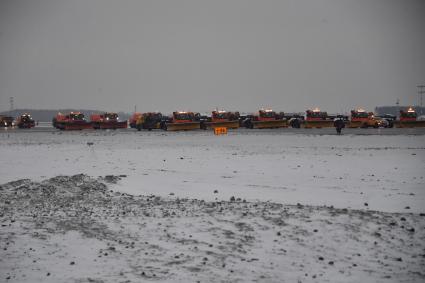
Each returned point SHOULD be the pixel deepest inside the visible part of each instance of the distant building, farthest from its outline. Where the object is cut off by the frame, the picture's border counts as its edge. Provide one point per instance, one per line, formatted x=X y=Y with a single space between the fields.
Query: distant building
x=395 y=110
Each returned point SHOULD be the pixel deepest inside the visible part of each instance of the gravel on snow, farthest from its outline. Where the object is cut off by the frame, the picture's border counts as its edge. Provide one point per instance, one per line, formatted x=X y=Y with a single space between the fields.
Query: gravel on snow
x=75 y=229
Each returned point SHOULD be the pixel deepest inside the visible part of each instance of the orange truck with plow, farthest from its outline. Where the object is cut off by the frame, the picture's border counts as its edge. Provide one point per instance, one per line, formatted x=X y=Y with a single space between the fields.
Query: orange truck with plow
x=221 y=119
x=181 y=121
x=133 y=119
x=409 y=119
x=362 y=119
x=317 y=119
x=358 y=118
x=266 y=119
x=71 y=121
x=107 y=121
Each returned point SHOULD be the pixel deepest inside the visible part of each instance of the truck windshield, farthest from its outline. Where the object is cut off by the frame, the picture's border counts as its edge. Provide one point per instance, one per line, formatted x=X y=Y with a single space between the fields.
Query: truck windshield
x=408 y=114
x=220 y=115
x=314 y=114
x=182 y=116
x=75 y=116
x=267 y=114
x=111 y=116
x=360 y=114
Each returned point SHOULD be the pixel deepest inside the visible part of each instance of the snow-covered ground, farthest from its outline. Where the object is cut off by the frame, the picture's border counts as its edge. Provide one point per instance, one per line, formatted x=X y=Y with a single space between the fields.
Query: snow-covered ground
x=262 y=206
x=386 y=171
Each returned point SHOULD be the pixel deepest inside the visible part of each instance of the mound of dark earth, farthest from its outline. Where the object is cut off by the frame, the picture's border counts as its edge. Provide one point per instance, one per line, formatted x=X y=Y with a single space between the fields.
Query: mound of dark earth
x=74 y=229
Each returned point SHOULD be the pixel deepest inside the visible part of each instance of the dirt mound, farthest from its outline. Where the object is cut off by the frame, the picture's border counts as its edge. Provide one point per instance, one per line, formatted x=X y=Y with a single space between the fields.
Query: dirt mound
x=74 y=229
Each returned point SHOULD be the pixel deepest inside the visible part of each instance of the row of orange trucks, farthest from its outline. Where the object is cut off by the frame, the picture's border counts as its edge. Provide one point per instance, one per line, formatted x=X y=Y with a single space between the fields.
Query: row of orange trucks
x=183 y=120
x=269 y=119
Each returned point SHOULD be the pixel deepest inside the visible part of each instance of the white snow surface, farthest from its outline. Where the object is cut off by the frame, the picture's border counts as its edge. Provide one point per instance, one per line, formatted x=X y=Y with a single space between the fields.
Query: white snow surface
x=385 y=171
x=127 y=206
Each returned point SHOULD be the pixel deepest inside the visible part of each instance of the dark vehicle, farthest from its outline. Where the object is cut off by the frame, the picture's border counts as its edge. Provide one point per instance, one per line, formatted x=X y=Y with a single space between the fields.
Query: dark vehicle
x=6 y=121
x=25 y=121
x=390 y=119
x=295 y=120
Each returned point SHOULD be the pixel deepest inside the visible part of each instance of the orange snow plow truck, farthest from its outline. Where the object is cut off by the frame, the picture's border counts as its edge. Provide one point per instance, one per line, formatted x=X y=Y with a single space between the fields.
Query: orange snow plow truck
x=266 y=119
x=132 y=122
x=181 y=121
x=358 y=118
x=409 y=119
x=362 y=119
x=318 y=119
x=71 y=121
x=221 y=119
x=107 y=121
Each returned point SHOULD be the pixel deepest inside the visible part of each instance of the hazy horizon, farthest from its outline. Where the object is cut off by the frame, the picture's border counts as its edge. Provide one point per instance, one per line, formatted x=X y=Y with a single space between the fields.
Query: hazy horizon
x=199 y=55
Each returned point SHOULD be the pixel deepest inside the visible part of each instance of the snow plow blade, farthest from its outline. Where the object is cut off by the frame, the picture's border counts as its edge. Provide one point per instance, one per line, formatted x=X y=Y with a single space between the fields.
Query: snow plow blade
x=224 y=124
x=319 y=124
x=409 y=124
x=75 y=126
x=355 y=124
x=182 y=126
x=110 y=125
x=269 y=124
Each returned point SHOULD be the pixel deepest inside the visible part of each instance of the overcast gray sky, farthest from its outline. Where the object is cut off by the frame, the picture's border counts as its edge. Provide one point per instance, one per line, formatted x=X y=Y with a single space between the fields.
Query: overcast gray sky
x=198 y=55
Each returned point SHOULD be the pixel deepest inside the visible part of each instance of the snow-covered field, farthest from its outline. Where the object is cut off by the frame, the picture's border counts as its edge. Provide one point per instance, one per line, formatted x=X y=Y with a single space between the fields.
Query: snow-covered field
x=265 y=206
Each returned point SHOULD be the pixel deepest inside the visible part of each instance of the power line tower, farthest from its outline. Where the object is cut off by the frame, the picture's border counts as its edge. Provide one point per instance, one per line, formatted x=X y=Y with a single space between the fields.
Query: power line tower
x=11 y=103
x=420 y=92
